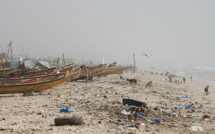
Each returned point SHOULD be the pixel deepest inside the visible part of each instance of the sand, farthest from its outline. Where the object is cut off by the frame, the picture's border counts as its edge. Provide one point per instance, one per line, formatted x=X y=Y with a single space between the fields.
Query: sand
x=100 y=104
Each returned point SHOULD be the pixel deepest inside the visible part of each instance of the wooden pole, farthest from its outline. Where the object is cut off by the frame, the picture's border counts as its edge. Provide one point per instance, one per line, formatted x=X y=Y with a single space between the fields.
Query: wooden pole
x=86 y=75
x=134 y=64
x=63 y=60
x=11 y=50
x=58 y=60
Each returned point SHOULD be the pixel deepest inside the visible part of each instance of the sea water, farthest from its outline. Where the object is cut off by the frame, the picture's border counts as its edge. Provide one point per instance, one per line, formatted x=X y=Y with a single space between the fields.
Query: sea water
x=204 y=75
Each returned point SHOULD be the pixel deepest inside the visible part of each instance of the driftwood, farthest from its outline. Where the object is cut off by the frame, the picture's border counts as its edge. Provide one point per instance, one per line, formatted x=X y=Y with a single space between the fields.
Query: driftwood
x=74 y=120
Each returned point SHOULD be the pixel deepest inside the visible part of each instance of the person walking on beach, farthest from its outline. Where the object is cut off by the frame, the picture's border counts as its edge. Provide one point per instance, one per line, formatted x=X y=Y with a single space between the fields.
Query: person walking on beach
x=206 y=90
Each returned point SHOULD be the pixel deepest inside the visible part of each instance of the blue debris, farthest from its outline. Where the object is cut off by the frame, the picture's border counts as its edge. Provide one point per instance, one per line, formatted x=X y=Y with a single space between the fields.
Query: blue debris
x=141 y=114
x=65 y=110
x=189 y=106
x=158 y=120
x=177 y=107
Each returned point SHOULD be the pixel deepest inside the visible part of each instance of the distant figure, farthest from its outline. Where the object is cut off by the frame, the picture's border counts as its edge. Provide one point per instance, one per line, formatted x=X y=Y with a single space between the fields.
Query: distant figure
x=170 y=79
x=191 y=78
x=184 y=79
x=206 y=90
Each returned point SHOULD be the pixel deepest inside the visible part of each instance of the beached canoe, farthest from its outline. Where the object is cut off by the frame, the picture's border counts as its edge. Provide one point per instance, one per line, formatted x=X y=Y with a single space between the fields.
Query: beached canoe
x=113 y=70
x=93 y=71
x=75 y=73
x=66 y=69
x=5 y=72
x=39 y=83
x=23 y=73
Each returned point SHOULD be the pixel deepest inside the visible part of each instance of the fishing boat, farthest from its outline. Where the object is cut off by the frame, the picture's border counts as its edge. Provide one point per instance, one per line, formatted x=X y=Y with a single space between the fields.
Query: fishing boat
x=75 y=73
x=38 y=83
x=113 y=70
x=92 y=71
x=6 y=71
x=68 y=68
x=23 y=73
x=39 y=72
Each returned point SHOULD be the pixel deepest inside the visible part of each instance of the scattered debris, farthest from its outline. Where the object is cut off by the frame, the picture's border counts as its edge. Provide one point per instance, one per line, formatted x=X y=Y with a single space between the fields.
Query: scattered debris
x=131 y=102
x=65 y=110
x=74 y=120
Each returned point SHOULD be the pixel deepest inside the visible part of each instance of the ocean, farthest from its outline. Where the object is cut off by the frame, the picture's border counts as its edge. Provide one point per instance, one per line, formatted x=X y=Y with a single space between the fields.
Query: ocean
x=204 y=75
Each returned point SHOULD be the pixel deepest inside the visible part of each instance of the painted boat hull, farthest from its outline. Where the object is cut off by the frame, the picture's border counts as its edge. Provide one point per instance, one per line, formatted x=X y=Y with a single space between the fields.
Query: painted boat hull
x=33 y=86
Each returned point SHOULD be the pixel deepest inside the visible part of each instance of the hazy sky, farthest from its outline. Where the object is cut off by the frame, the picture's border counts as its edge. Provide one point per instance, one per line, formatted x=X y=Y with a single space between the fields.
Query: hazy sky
x=171 y=32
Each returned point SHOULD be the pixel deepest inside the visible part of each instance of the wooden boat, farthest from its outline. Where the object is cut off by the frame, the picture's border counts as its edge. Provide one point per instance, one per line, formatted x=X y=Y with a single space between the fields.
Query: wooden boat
x=113 y=70
x=2 y=71
x=38 y=83
x=75 y=73
x=93 y=71
x=23 y=73
x=67 y=68
x=5 y=72
x=98 y=70
x=39 y=72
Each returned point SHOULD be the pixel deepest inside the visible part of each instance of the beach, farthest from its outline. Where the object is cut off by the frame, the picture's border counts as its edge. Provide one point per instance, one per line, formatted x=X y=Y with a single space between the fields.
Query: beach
x=99 y=103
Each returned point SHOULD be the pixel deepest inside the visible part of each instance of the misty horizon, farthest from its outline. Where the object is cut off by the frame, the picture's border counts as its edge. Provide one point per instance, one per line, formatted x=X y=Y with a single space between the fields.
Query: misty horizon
x=171 y=33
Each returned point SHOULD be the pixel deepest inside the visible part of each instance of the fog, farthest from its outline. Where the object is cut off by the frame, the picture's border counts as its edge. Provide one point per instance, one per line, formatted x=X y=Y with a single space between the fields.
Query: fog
x=172 y=33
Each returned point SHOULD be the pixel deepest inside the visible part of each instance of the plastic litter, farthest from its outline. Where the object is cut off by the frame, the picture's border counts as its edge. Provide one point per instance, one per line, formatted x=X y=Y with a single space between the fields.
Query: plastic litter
x=189 y=106
x=65 y=110
x=141 y=114
x=133 y=102
x=177 y=107
x=196 y=128
x=158 y=120
x=125 y=112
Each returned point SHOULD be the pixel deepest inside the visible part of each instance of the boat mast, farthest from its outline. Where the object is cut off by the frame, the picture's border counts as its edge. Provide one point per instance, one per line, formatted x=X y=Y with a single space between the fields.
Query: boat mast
x=134 y=64
x=63 y=60
x=11 y=50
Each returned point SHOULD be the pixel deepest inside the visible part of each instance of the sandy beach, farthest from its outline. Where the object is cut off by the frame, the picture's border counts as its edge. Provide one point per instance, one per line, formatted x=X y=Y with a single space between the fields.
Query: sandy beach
x=100 y=104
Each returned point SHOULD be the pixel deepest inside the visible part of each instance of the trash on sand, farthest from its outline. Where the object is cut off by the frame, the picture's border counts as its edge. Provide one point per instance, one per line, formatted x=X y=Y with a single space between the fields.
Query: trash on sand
x=141 y=114
x=190 y=106
x=206 y=117
x=177 y=107
x=133 y=102
x=66 y=110
x=74 y=120
x=125 y=112
x=158 y=120
x=196 y=128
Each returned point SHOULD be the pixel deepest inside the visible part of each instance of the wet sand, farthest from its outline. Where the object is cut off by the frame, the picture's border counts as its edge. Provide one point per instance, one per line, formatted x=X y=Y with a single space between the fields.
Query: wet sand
x=100 y=104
